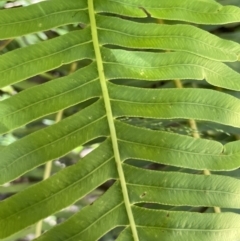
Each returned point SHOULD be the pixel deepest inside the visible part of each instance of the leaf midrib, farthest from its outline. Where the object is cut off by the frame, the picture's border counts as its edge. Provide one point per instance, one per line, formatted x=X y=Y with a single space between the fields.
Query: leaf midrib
x=177 y=150
x=110 y=119
x=184 y=189
x=179 y=103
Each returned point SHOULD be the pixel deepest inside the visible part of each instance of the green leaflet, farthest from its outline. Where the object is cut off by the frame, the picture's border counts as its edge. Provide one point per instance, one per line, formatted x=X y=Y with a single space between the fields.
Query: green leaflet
x=173 y=188
x=119 y=44
x=167 y=66
x=200 y=11
x=177 y=150
x=42 y=16
x=49 y=98
x=177 y=103
x=153 y=224
x=120 y=32
x=21 y=64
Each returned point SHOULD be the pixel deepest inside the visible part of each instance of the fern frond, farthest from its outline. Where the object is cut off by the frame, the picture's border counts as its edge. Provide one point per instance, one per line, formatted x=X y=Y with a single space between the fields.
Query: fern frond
x=122 y=49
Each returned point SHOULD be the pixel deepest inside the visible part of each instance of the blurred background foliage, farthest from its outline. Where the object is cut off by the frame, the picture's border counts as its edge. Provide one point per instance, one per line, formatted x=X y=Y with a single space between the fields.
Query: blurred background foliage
x=206 y=130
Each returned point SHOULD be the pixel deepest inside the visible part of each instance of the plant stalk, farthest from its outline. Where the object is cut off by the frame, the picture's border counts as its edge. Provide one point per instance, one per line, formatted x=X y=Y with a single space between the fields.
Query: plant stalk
x=110 y=119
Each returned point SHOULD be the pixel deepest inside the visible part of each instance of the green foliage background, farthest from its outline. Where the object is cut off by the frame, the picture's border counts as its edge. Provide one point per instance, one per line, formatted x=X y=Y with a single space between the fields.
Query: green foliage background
x=155 y=92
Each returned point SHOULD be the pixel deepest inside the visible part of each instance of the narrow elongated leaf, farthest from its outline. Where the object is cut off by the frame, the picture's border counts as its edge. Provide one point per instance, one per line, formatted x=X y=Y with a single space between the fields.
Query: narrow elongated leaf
x=199 y=11
x=178 y=103
x=49 y=98
x=165 y=66
x=39 y=17
x=177 y=150
x=119 y=32
x=21 y=64
x=170 y=226
x=175 y=189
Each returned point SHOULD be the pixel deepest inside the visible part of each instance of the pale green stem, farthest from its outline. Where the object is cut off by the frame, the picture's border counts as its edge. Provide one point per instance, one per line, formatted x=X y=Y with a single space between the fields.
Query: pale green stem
x=5 y=43
x=47 y=76
x=193 y=126
x=110 y=119
x=73 y=67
